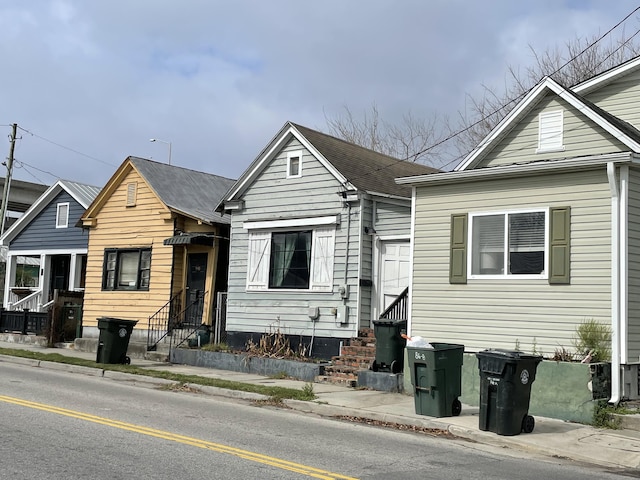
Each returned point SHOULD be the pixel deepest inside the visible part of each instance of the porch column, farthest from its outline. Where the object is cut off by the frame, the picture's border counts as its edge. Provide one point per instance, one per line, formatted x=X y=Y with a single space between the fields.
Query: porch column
x=9 y=277
x=72 y=272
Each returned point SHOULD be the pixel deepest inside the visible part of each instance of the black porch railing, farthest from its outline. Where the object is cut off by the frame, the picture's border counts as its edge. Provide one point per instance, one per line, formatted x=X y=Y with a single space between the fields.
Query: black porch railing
x=24 y=322
x=398 y=310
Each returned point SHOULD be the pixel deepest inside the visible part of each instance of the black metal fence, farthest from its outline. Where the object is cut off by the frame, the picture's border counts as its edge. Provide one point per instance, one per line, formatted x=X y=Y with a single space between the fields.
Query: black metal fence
x=24 y=322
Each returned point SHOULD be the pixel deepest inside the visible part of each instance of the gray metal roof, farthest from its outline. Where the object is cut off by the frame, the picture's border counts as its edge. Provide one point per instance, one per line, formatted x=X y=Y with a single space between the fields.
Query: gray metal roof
x=191 y=193
x=366 y=169
x=84 y=194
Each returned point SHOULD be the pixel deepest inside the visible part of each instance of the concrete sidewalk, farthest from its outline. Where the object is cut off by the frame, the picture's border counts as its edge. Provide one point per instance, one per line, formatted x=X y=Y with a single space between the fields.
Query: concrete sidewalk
x=553 y=438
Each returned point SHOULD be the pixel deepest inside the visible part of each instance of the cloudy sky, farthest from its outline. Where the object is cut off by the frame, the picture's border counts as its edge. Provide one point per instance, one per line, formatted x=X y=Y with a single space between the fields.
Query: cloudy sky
x=90 y=82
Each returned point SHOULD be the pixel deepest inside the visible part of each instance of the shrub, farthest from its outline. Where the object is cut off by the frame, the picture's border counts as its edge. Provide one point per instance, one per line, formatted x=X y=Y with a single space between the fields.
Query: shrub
x=593 y=338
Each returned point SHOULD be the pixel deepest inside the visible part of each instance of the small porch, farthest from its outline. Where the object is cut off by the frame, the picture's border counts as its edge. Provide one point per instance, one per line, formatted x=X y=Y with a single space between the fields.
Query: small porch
x=31 y=279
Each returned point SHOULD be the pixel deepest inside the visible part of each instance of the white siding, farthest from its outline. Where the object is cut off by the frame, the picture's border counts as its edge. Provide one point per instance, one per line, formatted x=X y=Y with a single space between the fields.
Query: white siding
x=500 y=313
x=621 y=98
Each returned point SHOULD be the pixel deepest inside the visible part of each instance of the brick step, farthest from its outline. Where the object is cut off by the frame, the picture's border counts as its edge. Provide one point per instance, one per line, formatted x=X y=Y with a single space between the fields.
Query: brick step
x=356 y=362
x=358 y=351
x=341 y=370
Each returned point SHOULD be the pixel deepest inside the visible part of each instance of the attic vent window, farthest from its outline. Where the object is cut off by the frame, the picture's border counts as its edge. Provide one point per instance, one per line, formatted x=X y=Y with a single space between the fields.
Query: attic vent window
x=131 y=194
x=550 y=128
x=294 y=164
x=62 y=215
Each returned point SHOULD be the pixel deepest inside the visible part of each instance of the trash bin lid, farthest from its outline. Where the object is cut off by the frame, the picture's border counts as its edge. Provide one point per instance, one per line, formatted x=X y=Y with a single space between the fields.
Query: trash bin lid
x=510 y=354
x=386 y=321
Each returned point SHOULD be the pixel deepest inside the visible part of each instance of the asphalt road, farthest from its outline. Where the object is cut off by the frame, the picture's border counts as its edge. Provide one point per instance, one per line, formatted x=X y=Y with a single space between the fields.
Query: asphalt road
x=58 y=425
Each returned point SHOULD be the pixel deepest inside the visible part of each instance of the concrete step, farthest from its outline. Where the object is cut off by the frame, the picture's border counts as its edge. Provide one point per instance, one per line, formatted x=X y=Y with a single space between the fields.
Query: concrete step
x=134 y=349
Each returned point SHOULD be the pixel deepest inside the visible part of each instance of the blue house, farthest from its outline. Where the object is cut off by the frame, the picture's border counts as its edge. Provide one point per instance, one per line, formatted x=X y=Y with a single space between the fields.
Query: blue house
x=45 y=249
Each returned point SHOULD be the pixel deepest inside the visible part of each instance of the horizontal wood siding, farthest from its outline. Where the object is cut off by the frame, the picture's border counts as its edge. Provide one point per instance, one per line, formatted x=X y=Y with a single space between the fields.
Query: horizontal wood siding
x=633 y=336
x=620 y=98
x=366 y=265
x=581 y=137
x=42 y=234
x=501 y=313
x=393 y=219
x=273 y=196
x=119 y=226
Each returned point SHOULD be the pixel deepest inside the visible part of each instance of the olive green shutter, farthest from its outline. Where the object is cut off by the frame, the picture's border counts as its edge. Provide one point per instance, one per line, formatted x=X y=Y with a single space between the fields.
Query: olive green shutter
x=458 y=253
x=559 y=245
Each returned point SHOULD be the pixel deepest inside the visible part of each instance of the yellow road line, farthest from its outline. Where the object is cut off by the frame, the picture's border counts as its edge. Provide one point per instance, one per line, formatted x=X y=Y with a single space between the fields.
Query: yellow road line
x=217 y=447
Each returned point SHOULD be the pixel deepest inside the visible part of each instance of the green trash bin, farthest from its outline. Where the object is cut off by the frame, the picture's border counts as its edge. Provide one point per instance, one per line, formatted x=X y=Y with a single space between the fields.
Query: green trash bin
x=389 y=345
x=436 y=376
x=505 y=390
x=114 y=340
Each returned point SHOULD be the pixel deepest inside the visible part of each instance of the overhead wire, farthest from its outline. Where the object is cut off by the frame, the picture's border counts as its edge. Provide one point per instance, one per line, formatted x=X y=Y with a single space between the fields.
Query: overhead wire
x=506 y=105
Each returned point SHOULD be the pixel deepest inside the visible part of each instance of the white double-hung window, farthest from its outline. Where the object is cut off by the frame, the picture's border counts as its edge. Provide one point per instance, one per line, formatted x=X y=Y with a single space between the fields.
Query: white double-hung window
x=510 y=243
x=291 y=254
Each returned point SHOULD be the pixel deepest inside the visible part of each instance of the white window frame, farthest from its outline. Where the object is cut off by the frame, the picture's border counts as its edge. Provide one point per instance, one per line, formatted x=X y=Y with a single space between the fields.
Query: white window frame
x=296 y=154
x=62 y=220
x=322 y=253
x=550 y=131
x=506 y=275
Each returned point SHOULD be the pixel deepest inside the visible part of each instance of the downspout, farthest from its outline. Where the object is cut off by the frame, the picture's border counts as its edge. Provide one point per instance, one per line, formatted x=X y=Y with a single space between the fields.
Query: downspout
x=615 y=284
x=624 y=264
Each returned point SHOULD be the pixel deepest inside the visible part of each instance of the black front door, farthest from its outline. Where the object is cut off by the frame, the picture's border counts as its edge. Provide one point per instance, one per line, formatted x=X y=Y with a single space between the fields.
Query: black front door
x=196 y=283
x=60 y=271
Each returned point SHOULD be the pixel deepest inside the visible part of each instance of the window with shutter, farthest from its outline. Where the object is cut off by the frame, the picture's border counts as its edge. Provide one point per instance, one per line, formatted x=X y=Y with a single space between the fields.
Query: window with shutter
x=294 y=259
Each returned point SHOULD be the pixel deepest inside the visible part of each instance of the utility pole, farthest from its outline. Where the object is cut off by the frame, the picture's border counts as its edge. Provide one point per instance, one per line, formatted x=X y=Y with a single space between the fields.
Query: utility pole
x=7 y=180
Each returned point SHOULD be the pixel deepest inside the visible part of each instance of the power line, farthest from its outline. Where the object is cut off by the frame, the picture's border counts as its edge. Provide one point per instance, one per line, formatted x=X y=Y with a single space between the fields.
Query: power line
x=499 y=109
x=66 y=148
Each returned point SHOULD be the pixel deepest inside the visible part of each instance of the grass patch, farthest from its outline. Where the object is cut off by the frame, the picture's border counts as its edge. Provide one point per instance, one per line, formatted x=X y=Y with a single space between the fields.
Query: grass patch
x=278 y=393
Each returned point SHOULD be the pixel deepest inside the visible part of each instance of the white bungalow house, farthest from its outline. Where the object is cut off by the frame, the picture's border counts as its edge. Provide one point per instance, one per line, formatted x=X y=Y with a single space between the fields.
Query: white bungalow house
x=319 y=240
x=538 y=229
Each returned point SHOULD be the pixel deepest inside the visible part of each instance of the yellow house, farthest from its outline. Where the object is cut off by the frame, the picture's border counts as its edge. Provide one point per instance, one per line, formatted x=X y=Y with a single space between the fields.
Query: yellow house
x=157 y=253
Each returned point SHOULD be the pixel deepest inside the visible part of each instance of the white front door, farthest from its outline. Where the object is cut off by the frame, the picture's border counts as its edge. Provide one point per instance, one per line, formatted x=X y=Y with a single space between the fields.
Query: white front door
x=394 y=274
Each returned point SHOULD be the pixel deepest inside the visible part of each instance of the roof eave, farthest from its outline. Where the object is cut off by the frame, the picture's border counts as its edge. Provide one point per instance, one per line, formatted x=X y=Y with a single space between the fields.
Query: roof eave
x=518 y=170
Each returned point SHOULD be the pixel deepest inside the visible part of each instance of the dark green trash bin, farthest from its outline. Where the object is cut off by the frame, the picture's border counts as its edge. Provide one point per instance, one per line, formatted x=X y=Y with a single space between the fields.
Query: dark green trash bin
x=436 y=376
x=114 y=340
x=389 y=345
x=505 y=390
x=201 y=337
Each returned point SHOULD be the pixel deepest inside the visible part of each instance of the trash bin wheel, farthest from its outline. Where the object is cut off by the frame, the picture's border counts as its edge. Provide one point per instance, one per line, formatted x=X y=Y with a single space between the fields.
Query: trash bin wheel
x=528 y=424
x=395 y=366
x=127 y=361
x=375 y=366
x=456 y=408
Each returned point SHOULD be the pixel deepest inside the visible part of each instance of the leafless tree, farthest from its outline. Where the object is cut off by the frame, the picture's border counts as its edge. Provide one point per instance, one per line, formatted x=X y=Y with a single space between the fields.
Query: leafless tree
x=412 y=139
x=442 y=142
x=579 y=60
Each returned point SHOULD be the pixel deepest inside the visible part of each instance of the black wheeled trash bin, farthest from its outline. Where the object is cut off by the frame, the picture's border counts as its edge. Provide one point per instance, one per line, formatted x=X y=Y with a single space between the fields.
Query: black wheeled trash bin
x=389 y=345
x=436 y=376
x=114 y=340
x=505 y=390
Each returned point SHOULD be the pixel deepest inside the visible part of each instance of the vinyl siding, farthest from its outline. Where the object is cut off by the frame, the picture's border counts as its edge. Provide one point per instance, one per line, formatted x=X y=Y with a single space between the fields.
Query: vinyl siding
x=620 y=98
x=393 y=219
x=581 y=136
x=273 y=196
x=119 y=226
x=633 y=334
x=42 y=234
x=500 y=313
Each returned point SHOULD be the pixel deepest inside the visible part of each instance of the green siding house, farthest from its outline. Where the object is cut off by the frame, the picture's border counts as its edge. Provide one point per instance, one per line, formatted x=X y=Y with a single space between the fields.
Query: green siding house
x=538 y=229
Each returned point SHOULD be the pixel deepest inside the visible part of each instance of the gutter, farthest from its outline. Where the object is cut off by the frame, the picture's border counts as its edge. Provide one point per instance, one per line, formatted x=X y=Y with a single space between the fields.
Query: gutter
x=616 y=304
x=519 y=170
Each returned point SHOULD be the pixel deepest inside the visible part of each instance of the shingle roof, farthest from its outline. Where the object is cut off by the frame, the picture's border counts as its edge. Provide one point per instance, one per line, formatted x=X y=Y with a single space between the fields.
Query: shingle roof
x=366 y=169
x=185 y=191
